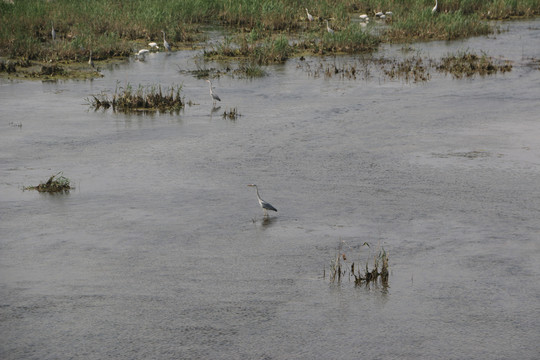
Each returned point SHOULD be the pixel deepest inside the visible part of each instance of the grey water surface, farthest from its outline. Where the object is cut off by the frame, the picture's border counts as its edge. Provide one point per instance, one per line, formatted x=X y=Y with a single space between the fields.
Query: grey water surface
x=161 y=251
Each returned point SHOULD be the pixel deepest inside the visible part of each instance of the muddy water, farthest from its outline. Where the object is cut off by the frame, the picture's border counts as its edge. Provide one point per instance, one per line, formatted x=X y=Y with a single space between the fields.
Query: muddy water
x=161 y=251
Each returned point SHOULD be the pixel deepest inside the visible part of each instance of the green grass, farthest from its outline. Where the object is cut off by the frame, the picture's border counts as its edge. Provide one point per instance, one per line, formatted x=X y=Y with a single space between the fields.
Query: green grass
x=113 y=28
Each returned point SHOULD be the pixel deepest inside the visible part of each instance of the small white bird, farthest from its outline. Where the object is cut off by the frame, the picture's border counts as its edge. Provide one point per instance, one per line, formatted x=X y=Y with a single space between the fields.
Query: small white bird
x=434 y=8
x=153 y=45
x=378 y=13
x=328 y=28
x=309 y=16
x=364 y=17
x=389 y=13
x=264 y=204
x=212 y=93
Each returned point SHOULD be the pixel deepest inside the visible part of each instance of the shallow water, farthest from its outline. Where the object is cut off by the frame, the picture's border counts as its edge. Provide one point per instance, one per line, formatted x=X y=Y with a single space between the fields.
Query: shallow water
x=161 y=251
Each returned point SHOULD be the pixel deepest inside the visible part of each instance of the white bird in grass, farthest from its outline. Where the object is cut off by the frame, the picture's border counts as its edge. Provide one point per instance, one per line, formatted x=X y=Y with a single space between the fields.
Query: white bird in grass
x=264 y=204
x=328 y=28
x=389 y=13
x=309 y=16
x=153 y=45
x=434 y=8
x=214 y=95
x=378 y=13
x=364 y=17
x=165 y=43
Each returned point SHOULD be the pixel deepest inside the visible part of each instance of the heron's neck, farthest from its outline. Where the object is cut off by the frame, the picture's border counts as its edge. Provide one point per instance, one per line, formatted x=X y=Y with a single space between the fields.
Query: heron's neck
x=258 y=196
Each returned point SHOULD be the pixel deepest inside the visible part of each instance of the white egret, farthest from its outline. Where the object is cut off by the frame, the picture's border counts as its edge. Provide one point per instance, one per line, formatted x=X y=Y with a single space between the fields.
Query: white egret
x=264 y=204
x=309 y=16
x=389 y=13
x=153 y=45
x=434 y=8
x=142 y=53
x=165 y=43
x=328 y=28
x=364 y=17
x=378 y=13
x=212 y=93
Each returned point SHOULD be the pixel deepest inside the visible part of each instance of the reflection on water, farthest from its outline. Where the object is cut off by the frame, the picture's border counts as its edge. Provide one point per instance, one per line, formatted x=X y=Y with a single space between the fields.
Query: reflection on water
x=161 y=251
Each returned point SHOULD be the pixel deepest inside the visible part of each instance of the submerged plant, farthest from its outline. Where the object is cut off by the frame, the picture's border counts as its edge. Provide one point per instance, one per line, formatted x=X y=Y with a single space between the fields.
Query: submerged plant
x=54 y=184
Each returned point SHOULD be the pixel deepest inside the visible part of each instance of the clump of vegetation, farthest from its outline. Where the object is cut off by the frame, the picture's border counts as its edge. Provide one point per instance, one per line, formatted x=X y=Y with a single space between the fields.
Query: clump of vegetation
x=340 y=268
x=469 y=64
x=55 y=184
x=409 y=69
x=232 y=114
x=51 y=70
x=150 y=98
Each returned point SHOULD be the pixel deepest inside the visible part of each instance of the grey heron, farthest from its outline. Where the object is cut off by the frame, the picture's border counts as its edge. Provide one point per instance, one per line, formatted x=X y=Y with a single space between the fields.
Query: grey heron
x=165 y=43
x=309 y=16
x=328 y=28
x=434 y=8
x=90 y=61
x=214 y=95
x=264 y=205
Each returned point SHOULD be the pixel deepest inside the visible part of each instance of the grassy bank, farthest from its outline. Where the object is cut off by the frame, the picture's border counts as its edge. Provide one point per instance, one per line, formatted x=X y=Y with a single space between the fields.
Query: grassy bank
x=116 y=28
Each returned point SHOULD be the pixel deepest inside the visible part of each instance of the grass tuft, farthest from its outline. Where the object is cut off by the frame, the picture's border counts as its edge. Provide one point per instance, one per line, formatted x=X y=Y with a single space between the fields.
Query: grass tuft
x=55 y=184
x=341 y=267
x=145 y=99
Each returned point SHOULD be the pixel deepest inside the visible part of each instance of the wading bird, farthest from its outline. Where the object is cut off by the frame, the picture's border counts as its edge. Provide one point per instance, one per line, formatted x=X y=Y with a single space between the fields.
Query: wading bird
x=212 y=94
x=90 y=61
x=165 y=43
x=364 y=17
x=153 y=45
x=141 y=54
x=265 y=205
x=53 y=33
x=434 y=8
x=309 y=16
x=328 y=28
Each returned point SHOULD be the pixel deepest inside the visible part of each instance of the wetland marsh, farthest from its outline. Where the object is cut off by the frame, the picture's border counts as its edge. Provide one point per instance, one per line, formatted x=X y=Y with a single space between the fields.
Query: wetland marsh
x=161 y=251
